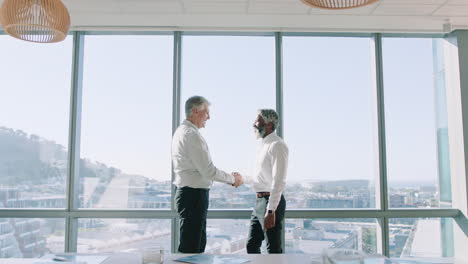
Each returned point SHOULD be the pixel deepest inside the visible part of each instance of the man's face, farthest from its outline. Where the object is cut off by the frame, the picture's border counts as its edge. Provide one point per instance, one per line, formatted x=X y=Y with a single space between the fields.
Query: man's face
x=259 y=127
x=201 y=116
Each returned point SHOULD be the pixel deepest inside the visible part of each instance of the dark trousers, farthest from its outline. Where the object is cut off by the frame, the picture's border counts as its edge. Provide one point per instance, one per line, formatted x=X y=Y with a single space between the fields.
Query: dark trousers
x=192 y=206
x=273 y=235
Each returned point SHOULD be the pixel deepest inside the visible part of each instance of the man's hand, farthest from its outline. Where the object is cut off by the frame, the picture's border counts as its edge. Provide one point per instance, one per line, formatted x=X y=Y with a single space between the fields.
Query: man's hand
x=269 y=220
x=238 y=181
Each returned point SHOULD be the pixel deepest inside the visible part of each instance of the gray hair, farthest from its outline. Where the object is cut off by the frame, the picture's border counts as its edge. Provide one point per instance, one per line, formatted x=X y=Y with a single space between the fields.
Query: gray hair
x=269 y=116
x=194 y=102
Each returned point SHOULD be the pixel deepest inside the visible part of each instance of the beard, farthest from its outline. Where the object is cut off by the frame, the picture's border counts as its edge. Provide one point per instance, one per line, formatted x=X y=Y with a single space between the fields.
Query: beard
x=259 y=132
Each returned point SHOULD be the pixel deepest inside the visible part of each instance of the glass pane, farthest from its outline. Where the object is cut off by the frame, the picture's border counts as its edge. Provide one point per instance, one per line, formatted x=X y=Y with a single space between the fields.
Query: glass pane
x=329 y=122
x=428 y=239
x=312 y=236
x=126 y=122
x=226 y=236
x=118 y=235
x=237 y=75
x=34 y=114
x=415 y=122
x=31 y=237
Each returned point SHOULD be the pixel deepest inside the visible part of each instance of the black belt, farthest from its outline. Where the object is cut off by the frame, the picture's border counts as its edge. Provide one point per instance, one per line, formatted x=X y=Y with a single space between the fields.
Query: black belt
x=263 y=194
x=193 y=189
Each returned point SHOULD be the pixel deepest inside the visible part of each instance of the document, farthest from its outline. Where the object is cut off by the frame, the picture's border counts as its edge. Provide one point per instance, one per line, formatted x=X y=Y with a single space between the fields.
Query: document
x=20 y=261
x=33 y=261
x=78 y=259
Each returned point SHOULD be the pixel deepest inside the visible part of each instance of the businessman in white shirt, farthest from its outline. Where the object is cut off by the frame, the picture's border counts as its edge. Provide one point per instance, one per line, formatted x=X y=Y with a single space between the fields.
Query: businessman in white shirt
x=194 y=174
x=268 y=181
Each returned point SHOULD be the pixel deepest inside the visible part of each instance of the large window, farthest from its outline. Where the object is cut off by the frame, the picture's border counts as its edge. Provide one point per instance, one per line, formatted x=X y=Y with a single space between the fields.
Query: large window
x=416 y=132
x=419 y=238
x=237 y=75
x=355 y=109
x=313 y=236
x=117 y=235
x=31 y=237
x=34 y=118
x=226 y=236
x=329 y=122
x=126 y=122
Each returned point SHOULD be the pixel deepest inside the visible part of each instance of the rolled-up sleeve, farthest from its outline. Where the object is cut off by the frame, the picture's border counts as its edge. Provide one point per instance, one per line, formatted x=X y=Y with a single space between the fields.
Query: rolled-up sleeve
x=279 y=161
x=201 y=159
x=247 y=179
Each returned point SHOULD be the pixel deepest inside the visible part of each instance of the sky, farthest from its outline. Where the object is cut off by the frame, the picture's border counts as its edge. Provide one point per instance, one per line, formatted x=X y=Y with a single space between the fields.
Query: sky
x=329 y=101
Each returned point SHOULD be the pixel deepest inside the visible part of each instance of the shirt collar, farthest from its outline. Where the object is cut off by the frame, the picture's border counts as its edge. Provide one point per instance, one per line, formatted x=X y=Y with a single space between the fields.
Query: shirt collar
x=188 y=123
x=271 y=137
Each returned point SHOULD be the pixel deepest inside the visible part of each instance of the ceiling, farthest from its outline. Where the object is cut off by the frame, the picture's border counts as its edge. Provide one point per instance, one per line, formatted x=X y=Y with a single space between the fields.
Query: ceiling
x=267 y=15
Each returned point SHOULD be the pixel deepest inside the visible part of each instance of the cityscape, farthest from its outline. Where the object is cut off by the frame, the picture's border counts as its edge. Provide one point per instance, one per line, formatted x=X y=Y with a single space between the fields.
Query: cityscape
x=33 y=175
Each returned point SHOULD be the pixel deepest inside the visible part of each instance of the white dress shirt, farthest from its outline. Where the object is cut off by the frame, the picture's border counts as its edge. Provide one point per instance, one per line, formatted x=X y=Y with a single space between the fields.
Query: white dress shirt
x=192 y=161
x=270 y=169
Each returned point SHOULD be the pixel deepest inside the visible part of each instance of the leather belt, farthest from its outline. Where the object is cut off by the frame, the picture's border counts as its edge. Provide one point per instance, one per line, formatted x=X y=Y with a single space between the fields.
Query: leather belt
x=263 y=194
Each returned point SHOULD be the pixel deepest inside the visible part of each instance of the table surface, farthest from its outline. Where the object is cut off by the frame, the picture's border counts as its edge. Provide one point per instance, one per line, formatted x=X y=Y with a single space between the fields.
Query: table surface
x=135 y=258
x=127 y=258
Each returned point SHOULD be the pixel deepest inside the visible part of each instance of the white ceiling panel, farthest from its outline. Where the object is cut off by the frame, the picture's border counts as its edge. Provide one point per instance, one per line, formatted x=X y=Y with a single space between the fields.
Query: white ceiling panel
x=212 y=1
x=414 y=2
x=452 y=11
x=278 y=1
x=268 y=15
x=277 y=8
x=162 y=7
x=215 y=8
x=404 y=10
x=457 y=2
x=92 y=5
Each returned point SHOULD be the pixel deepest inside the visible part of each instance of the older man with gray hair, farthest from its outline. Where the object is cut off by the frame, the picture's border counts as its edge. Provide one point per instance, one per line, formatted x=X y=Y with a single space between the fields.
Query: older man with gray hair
x=194 y=174
x=268 y=181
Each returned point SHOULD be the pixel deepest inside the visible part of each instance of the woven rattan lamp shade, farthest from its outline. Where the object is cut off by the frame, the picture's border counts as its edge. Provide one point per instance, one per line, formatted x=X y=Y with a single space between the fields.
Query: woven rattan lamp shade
x=42 y=21
x=338 y=4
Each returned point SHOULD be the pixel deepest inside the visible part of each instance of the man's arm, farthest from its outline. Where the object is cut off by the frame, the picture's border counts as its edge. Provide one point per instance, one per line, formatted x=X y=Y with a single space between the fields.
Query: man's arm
x=279 y=171
x=246 y=179
x=201 y=159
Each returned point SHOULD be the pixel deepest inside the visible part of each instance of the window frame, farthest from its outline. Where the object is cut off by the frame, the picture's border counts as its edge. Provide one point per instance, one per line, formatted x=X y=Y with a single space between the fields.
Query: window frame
x=72 y=213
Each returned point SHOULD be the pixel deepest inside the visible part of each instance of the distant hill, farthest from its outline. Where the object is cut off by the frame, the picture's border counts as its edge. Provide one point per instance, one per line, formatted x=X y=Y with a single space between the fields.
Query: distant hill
x=30 y=159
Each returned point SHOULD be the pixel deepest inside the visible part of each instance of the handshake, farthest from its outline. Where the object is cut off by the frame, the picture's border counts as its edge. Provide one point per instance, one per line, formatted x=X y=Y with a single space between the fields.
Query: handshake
x=238 y=180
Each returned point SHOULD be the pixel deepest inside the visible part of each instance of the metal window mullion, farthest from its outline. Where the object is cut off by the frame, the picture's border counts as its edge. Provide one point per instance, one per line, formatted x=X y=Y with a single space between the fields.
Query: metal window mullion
x=279 y=96
x=230 y=214
x=384 y=235
x=74 y=140
x=381 y=140
x=71 y=234
x=176 y=91
x=279 y=80
x=127 y=214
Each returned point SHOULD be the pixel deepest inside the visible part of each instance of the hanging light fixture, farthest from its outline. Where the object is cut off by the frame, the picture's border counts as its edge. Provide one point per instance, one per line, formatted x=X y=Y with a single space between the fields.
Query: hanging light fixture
x=338 y=4
x=43 y=21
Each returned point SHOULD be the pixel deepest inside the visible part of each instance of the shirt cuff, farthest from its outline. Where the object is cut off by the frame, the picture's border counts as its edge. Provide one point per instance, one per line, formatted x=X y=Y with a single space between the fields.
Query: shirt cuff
x=233 y=180
x=270 y=207
x=247 y=179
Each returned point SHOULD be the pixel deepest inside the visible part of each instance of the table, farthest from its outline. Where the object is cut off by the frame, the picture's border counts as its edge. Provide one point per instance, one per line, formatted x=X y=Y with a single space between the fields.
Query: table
x=134 y=258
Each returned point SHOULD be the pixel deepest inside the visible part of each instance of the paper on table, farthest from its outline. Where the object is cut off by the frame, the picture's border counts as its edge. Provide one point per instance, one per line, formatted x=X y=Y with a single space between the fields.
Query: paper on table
x=19 y=261
x=70 y=258
x=33 y=261
x=55 y=262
